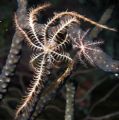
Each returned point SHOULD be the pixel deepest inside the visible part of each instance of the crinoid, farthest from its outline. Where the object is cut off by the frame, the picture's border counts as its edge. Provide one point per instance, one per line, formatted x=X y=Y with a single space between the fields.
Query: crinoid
x=86 y=47
x=48 y=47
x=46 y=50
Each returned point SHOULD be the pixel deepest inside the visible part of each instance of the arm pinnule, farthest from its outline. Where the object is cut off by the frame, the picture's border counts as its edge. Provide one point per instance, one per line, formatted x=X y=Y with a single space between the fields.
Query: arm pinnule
x=33 y=12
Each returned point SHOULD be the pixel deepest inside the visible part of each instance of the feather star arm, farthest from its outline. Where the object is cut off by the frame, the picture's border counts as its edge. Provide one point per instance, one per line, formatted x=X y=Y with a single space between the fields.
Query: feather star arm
x=32 y=18
x=30 y=44
x=34 y=86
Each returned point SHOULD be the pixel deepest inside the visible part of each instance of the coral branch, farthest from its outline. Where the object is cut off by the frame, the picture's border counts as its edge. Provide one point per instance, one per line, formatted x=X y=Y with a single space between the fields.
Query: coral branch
x=105 y=17
x=13 y=56
x=70 y=92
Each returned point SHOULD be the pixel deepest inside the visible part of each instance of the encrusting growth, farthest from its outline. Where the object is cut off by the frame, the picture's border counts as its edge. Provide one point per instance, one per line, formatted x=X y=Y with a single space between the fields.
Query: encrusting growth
x=47 y=49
